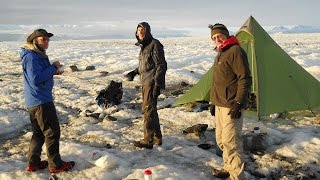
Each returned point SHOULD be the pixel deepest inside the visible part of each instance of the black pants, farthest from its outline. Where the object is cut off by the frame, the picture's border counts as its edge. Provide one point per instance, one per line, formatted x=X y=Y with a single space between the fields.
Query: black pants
x=149 y=111
x=46 y=129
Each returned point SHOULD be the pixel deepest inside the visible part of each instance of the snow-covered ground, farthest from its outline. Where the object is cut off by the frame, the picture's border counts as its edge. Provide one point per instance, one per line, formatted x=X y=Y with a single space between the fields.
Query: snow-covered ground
x=293 y=143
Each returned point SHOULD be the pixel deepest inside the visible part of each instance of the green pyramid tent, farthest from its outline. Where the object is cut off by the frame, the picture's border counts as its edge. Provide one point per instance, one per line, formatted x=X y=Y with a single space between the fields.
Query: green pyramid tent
x=279 y=82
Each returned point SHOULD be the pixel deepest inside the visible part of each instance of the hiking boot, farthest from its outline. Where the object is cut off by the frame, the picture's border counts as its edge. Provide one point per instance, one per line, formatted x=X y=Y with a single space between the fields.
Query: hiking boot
x=220 y=173
x=157 y=141
x=143 y=144
x=66 y=166
x=42 y=165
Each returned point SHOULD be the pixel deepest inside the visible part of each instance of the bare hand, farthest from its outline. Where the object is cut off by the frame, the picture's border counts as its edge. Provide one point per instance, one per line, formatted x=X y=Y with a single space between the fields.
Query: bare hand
x=59 y=67
x=57 y=64
x=58 y=72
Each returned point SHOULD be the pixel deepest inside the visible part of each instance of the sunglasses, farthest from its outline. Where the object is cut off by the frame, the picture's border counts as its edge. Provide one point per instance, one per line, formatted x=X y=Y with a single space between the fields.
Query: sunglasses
x=217 y=37
x=44 y=39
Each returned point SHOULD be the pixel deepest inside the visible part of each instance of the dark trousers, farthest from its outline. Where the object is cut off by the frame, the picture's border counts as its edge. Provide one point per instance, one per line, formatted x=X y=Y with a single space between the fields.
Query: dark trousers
x=46 y=129
x=150 y=114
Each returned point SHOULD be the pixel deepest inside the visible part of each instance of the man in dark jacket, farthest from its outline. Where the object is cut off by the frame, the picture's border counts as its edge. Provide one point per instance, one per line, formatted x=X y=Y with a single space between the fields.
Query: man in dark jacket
x=230 y=88
x=152 y=69
x=38 y=84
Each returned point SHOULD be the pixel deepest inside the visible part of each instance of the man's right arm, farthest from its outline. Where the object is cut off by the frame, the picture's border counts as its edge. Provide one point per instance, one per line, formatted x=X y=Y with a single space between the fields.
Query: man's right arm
x=130 y=76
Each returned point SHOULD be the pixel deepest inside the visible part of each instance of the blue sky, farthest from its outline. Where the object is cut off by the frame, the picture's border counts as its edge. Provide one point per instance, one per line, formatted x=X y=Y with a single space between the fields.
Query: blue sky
x=118 y=18
x=173 y=13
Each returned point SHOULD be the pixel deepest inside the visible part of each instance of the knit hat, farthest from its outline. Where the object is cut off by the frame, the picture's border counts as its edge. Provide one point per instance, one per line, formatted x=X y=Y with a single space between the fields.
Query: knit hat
x=38 y=33
x=219 y=28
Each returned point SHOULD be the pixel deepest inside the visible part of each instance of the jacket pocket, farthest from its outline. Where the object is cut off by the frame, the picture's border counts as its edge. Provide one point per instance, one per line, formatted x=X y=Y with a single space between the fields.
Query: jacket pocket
x=149 y=64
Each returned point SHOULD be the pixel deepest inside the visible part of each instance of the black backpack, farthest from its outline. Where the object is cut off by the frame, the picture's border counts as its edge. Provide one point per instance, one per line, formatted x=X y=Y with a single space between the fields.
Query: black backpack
x=111 y=95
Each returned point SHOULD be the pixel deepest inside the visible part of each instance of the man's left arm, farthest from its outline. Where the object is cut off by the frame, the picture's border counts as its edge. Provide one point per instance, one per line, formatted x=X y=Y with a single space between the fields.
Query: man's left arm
x=242 y=71
x=160 y=65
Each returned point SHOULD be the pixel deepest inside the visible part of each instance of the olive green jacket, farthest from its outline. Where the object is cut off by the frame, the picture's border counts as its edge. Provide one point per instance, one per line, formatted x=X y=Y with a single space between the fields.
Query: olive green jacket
x=231 y=77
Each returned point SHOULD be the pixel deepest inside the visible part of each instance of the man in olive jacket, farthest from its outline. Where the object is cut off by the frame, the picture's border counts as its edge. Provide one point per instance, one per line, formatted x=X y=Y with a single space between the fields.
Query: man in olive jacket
x=152 y=69
x=230 y=88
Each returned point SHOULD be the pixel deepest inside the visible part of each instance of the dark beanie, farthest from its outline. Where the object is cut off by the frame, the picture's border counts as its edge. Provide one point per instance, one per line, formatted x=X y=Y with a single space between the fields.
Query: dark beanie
x=219 y=28
x=38 y=33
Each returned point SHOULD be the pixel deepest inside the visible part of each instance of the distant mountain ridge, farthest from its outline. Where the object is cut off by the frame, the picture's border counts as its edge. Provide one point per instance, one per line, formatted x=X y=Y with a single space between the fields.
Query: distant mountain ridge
x=108 y=31
x=295 y=29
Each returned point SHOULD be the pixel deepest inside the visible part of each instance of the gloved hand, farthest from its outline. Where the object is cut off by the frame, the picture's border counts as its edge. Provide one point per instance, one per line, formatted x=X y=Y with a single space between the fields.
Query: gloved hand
x=212 y=109
x=130 y=76
x=156 y=91
x=235 y=111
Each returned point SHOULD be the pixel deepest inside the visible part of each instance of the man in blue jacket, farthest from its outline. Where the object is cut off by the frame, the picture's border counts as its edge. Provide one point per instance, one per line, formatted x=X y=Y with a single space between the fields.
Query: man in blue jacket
x=38 y=84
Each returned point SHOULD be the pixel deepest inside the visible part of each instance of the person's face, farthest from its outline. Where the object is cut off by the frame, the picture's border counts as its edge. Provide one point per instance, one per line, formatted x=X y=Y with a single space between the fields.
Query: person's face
x=141 y=33
x=218 y=39
x=43 y=42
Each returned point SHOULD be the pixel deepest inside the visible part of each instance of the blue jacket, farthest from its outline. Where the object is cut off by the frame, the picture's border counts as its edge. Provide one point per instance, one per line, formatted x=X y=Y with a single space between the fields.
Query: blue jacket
x=38 y=78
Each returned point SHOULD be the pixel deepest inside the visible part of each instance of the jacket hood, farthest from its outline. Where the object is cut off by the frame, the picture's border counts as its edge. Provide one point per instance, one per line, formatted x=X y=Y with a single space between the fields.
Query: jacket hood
x=148 y=37
x=29 y=47
x=24 y=52
x=232 y=40
x=145 y=25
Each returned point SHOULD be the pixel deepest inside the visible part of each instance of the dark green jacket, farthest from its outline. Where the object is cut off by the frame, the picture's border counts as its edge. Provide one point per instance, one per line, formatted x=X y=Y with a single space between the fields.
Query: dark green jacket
x=231 y=77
